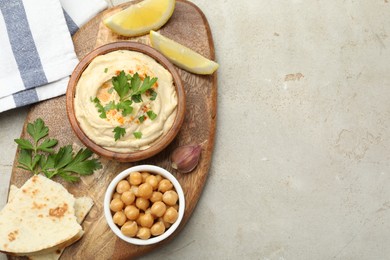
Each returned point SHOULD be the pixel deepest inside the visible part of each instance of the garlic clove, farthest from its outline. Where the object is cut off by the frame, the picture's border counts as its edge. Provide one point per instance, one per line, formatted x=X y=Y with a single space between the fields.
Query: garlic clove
x=185 y=158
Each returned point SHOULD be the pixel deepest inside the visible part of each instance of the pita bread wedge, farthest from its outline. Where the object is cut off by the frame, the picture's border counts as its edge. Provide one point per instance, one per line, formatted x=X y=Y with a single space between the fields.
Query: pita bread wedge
x=82 y=206
x=12 y=191
x=40 y=218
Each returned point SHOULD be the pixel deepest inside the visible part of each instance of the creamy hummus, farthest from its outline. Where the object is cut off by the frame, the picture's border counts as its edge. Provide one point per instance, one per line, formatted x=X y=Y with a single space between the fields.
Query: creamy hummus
x=96 y=82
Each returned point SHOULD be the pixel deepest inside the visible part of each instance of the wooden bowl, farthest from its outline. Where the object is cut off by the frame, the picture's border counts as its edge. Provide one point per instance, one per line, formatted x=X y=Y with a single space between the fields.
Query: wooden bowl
x=162 y=141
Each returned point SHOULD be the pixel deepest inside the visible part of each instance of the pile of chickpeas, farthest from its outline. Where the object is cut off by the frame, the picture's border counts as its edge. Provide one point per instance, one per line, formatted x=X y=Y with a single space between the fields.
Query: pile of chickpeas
x=144 y=205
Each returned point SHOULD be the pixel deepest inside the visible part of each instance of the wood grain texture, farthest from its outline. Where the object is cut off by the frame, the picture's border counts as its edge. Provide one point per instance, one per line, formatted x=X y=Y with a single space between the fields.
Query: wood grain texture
x=188 y=26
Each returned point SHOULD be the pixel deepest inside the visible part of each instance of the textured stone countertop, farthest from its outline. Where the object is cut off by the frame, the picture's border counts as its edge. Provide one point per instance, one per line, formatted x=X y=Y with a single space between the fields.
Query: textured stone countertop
x=301 y=166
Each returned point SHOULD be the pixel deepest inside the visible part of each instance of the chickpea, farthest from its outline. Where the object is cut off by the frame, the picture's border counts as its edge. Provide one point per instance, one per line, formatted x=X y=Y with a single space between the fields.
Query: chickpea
x=135 y=178
x=116 y=195
x=138 y=220
x=143 y=233
x=131 y=212
x=128 y=197
x=145 y=190
x=165 y=185
x=116 y=205
x=142 y=203
x=158 y=208
x=170 y=215
x=130 y=229
x=152 y=180
x=166 y=224
x=144 y=176
x=134 y=190
x=176 y=206
x=156 y=196
x=146 y=220
x=122 y=186
x=159 y=178
x=170 y=197
x=119 y=218
x=157 y=229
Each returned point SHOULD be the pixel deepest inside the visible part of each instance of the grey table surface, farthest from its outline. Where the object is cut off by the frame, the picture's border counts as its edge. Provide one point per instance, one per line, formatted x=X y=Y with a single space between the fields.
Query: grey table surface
x=301 y=162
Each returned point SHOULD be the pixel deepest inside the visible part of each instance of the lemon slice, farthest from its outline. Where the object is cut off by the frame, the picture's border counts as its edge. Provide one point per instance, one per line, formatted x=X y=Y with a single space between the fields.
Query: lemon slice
x=182 y=56
x=139 y=19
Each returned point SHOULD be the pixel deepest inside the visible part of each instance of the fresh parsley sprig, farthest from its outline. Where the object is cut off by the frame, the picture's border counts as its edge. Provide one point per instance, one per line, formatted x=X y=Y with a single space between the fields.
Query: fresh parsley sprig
x=121 y=85
x=129 y=89
x=132 y=87
x=39 y=156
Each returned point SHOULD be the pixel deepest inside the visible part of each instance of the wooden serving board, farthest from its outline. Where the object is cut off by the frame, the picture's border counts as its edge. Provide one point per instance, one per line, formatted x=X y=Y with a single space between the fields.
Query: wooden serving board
x=188 y=26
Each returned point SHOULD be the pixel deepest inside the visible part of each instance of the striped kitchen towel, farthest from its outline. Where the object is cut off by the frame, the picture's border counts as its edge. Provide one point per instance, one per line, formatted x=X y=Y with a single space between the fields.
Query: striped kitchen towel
x=36 y=49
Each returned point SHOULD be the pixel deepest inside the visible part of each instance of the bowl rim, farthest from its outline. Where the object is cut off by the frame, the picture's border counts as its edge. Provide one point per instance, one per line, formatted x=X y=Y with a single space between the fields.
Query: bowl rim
x=163 y=141
x=153 y=170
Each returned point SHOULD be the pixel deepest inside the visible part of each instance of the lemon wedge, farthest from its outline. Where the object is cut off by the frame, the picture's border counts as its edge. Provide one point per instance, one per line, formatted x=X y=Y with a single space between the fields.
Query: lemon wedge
x=182 y=56
x=140 y=18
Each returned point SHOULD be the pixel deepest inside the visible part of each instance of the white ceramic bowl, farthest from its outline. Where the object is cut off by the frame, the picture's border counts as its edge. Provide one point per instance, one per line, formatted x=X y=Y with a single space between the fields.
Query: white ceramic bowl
x=153 y=170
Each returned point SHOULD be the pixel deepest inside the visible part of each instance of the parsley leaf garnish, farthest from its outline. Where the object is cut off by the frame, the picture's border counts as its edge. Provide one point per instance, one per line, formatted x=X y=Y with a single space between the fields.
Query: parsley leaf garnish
x=37 y=131
x=137 y=135
x=28 y=161
x=134 y=89
x=111 y=105
x=39 y=156
x=153 y=94
x=147 y=84
x=151 y=114
x=141 y=119
x=126 y=107
x=129 y=89
x=136 y=98
x=135 y=82
x=121 y=85
x=46 y=145
x=119 y=132
x=67 y=165
x=100 y=107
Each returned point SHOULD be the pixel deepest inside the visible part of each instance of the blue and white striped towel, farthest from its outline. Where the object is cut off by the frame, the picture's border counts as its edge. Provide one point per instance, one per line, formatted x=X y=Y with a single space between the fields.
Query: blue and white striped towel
x=36 y=49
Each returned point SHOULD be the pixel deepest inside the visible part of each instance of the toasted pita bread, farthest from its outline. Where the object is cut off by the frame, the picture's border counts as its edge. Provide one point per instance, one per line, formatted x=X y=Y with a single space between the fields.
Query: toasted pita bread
x=40 y=218
x=82 y=206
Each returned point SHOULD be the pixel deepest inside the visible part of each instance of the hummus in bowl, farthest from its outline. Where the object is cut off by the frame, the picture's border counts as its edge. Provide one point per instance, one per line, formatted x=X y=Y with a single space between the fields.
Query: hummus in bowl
x=125 y=101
